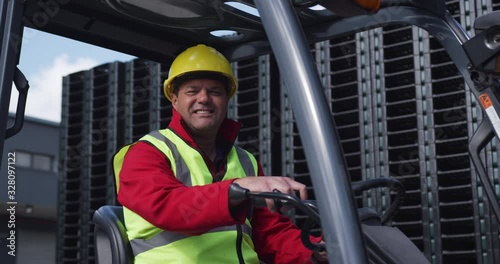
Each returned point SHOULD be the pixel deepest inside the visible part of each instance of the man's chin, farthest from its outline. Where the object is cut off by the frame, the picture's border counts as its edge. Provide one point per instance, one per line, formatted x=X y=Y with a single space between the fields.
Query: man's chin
x=205 y=127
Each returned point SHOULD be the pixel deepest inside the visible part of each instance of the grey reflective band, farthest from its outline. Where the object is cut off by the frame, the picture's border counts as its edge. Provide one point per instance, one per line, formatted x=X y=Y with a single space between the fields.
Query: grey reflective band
x=245 y=161
x=182 y=171
x=166 y=237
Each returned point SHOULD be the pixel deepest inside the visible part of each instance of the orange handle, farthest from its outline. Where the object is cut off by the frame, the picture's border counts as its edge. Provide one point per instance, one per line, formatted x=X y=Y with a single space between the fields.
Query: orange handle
x=369 y=4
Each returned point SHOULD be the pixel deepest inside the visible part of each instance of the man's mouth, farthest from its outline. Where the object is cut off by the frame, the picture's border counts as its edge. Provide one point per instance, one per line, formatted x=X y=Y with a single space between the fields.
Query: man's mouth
x=203 y=111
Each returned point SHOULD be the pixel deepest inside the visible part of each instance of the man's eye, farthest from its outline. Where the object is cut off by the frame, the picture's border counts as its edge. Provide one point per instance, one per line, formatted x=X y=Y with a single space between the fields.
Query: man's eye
x=216 y=92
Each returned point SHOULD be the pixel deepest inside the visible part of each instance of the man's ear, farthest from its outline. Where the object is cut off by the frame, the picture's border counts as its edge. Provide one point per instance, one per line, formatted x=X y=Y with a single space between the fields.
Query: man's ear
x=174 y=99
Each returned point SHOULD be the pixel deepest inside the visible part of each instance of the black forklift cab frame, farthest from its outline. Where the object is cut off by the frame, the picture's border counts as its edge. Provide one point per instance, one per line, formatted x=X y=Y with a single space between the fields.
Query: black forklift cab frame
x=285 y=28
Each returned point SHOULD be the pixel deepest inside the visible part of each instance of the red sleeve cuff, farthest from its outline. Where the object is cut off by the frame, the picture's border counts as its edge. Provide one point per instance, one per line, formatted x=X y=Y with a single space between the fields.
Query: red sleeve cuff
x=240 y=212
x=237 y=213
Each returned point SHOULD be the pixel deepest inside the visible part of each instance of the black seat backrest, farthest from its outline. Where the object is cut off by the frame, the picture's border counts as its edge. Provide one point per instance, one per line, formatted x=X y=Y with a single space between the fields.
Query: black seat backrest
x=385 y=244
x=110 y=236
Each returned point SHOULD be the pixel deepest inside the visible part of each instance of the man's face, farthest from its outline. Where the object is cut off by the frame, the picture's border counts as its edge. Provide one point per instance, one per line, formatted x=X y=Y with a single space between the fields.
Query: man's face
x=202 y=104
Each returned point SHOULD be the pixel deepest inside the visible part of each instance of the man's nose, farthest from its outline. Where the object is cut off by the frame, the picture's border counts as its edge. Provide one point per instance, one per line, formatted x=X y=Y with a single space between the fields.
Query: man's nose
x=203 y=96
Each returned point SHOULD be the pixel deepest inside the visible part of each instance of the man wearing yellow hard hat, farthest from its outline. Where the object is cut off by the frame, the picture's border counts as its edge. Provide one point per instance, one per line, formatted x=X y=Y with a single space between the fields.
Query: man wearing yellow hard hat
x=174 y=183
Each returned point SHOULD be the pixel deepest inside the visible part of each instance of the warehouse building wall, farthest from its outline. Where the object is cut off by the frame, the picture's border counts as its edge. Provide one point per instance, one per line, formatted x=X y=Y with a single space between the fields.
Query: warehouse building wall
x=34 y=165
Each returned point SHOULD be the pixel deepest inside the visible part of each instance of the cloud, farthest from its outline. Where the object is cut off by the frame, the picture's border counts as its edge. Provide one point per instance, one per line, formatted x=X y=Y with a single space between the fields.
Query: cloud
x=45 y=92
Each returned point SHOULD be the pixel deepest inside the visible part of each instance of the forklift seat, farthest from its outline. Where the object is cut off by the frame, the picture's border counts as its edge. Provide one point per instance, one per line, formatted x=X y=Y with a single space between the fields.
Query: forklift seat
x=110 y=236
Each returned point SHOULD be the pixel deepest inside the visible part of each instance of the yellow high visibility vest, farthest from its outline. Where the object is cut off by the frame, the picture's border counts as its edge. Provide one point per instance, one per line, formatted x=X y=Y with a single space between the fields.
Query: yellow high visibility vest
x=154 y=245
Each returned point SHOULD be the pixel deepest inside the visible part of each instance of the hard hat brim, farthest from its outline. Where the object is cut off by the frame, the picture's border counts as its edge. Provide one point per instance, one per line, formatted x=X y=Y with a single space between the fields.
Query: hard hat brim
x=168 y=86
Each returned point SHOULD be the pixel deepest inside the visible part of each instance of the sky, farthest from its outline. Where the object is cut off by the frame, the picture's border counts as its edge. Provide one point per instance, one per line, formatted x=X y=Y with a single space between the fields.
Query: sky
x=45 y=59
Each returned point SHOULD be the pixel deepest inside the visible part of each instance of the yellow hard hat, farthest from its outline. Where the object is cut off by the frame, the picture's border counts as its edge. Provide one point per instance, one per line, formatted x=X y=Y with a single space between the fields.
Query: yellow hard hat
x=200 y=58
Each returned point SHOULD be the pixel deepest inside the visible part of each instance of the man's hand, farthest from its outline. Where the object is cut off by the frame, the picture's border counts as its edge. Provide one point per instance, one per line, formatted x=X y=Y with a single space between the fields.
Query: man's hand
x=270 y=184
x=320 y=257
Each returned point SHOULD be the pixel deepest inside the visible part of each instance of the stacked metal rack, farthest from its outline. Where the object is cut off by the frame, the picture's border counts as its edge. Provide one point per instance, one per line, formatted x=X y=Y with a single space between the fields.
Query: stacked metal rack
x=162 y=108
x=252 y=107
x=116 y=104
x=138 y=100
x=104 y=108
x=294 y=164
x=370 y=136
x=375 y=162
x=342 y=90
x=105 y=135
x=146 y=108
x=401 y=110
x=487 y=229
x=455 y=117
x=90 y=138
x=337 y=62
x=415 y=119
x=489 y=232
x=71 y=154
x=401 y=124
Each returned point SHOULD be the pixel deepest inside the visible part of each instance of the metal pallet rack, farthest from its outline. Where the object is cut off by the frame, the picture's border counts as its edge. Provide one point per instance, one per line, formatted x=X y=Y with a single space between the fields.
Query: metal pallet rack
x=344 y=97
x=400 y=107
x=162 y=108
x=372 y=156
x=91 y=135
x=337 y=64
x=251 y=106
x=105 y=84
x=489 y=234
x=342 y=56
x=146 y=107
x=72 y=159
x=401 y=127
x=399 y=135
x=294 y=164
x=453 y=126
x=427 y=149
x=138 y=103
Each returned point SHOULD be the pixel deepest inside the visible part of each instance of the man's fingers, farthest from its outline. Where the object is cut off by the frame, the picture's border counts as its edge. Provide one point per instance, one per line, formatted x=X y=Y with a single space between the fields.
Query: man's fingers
x=270 y=205
x=297 y=186
x=303 y=194
x=289 y=186
x=271 y=183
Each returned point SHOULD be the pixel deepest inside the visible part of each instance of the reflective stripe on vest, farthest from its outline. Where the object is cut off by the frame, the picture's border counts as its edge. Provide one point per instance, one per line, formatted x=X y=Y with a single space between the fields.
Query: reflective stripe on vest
x=181 y=169
x=182 y=172
x=167 y=237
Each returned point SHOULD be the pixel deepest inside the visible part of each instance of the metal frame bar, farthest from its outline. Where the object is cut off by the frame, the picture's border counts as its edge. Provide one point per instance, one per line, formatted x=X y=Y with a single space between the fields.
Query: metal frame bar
x=317 y=131
x=265 y=126
x=386 y=16
x=10 y=16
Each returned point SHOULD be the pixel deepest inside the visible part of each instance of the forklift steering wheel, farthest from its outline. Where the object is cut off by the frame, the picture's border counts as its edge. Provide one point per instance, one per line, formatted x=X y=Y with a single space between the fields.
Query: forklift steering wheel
x=393 y=184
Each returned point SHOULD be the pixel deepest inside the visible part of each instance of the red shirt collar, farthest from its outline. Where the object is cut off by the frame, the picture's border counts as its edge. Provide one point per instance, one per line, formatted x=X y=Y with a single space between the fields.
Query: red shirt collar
x=228 y=130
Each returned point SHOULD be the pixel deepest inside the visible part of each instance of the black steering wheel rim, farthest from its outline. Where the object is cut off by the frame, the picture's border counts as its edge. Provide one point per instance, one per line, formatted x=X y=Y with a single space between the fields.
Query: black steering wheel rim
x=392 y=184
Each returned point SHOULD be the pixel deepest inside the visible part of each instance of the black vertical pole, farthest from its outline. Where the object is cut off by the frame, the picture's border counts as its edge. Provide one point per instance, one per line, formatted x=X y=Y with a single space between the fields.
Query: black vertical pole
x=11 y=12
x=11 y=27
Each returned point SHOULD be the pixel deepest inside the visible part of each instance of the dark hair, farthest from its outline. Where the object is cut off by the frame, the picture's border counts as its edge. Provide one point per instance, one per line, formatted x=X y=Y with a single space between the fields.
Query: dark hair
x=178 y=81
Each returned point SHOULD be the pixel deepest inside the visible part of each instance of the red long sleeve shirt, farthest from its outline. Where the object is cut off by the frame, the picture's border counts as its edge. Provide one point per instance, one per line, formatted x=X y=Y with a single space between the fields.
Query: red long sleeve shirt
x=149 y=188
